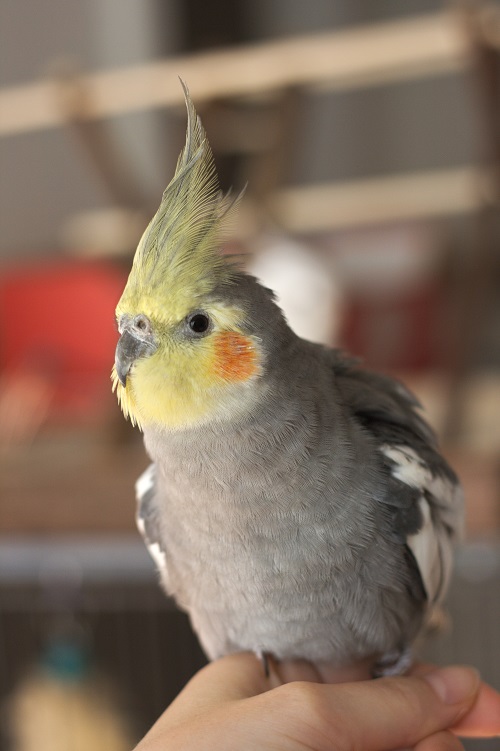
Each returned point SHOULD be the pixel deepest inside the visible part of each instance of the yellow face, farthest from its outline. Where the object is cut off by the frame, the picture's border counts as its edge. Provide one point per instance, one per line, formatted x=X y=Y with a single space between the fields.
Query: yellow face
x=201 y=368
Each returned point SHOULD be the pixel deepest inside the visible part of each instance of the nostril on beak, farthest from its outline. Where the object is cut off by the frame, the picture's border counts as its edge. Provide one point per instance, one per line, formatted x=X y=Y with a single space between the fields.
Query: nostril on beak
x=142 y=324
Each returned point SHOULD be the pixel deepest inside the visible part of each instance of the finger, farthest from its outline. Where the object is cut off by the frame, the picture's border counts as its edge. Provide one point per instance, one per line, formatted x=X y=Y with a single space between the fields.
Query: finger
x=360 y=671
x=242 y=675
x=288 y=671
x=396 y=712
x=442 y=741
x=483 y=720
x=231 y=678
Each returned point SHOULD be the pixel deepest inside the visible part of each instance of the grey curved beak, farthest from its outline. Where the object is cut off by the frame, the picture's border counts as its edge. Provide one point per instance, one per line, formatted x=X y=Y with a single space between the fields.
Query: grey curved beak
x=128 y=350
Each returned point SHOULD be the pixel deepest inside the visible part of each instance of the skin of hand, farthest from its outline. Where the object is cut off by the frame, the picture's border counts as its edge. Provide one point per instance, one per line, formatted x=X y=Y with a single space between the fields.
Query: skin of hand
x=231 y=704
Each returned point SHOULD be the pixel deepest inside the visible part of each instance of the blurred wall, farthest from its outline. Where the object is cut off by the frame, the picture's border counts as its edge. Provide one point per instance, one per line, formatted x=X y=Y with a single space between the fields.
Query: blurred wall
x=87 y=35
x=420 y=124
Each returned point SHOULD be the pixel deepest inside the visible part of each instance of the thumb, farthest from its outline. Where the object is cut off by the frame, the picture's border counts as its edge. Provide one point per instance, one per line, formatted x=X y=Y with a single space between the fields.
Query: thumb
x=375 y=715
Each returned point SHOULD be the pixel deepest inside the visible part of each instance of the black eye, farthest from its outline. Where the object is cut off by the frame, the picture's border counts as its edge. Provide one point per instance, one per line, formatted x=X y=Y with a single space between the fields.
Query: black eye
x=199 y=323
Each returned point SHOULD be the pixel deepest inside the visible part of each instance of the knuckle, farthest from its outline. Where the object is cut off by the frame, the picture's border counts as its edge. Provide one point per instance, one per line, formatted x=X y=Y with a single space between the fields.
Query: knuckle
x=310 y=717
x=301 y=694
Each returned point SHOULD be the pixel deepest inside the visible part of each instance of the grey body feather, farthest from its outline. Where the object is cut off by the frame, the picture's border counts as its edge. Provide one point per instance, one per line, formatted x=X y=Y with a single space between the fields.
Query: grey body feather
x=318 y=525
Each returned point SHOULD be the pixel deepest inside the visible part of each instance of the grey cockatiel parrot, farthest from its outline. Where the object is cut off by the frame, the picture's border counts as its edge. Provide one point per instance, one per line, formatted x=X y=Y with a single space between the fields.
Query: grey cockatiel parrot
x=297 y=504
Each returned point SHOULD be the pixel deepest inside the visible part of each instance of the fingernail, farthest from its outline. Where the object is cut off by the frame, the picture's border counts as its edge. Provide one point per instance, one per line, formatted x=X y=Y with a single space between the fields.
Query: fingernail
x=454 y=684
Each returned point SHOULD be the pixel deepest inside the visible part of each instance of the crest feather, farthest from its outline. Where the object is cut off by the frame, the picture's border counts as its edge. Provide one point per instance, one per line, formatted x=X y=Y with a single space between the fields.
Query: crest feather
x=178 y=254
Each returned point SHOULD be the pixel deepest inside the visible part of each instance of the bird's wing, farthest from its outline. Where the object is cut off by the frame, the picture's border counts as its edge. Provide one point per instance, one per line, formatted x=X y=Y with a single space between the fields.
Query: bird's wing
x=146 y=518
x=423 y=499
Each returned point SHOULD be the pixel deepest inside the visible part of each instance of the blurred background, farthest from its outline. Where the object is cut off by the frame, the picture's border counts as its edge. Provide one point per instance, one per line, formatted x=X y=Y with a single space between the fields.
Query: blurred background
x=369 y=136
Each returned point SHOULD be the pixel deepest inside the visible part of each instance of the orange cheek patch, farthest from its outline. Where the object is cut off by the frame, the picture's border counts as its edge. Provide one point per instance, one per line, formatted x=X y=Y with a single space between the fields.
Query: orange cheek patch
x=235 y=356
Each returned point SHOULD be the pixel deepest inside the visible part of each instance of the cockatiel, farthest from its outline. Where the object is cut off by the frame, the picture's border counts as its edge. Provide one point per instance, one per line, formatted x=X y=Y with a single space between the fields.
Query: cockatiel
x=296 y=505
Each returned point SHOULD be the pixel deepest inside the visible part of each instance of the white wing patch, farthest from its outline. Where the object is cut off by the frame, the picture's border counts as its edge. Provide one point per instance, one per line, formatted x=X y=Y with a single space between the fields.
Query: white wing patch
x=441 y=507
x=143 y=488
x=432 y=550
x=158 y=557
x=145 y=483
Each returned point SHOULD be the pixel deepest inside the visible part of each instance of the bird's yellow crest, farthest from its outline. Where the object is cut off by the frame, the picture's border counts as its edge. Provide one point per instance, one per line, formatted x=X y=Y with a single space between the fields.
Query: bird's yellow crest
x=179 y=251
x=177 y=265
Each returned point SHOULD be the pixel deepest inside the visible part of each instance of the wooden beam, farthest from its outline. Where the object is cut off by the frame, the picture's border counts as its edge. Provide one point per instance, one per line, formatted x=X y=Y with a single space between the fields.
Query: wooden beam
x=319 y=208
x=349 y=58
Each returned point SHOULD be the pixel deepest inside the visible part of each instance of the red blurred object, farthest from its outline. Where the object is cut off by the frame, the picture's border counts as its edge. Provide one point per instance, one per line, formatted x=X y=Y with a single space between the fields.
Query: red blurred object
x=57 y=321
x=394 y=294
x=395 y=331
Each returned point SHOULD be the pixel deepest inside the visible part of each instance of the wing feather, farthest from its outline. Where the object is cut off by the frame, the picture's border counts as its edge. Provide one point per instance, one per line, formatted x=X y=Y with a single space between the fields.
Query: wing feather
x=423 y=492
x=146 y=519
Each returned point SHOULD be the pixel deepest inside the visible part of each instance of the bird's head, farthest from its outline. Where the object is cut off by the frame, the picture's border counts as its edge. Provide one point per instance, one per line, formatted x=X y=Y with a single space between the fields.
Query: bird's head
x=189 y=348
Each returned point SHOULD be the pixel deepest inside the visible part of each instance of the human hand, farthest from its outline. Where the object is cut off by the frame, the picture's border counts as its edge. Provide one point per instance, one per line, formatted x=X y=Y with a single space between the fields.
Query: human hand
x=230 y=705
